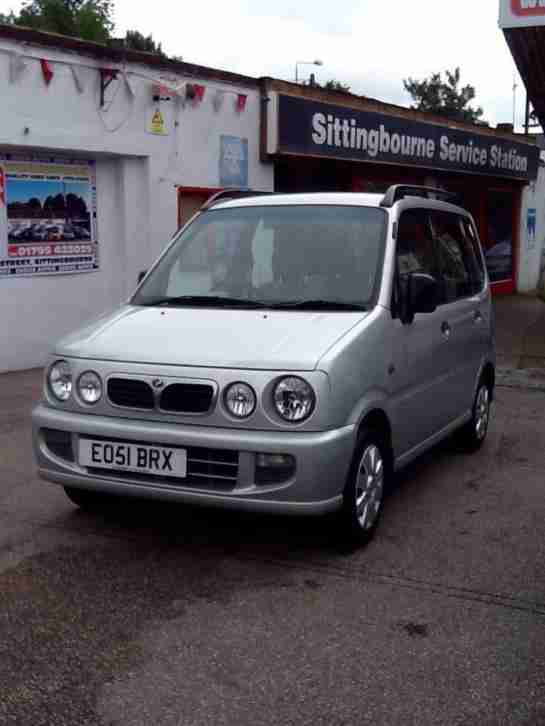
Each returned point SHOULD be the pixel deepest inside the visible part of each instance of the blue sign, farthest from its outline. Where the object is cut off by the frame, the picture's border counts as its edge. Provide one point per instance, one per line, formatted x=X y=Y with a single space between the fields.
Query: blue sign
x=312 y=128
x=233 y=170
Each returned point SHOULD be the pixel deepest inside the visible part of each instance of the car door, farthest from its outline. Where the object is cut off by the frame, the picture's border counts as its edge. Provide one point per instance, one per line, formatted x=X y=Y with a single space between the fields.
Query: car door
x=420 y=398
x=463 y=308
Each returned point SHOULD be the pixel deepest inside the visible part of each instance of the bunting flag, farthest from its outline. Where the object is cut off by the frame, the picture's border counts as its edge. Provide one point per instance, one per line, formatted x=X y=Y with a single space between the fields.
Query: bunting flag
x=217 y=100
x=195 y=92
x=77 y=75
x=17 y=66
x=161 y=90
x=241 y=102
x=47 y=73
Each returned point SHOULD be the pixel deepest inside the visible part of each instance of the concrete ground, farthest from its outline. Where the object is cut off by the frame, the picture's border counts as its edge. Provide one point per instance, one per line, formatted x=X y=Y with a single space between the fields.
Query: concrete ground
x=181 y=617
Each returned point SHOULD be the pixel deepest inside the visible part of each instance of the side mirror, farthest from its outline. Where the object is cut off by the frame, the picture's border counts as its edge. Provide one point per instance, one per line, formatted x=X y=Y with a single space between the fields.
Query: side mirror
x=422 y=294
x=141 y=275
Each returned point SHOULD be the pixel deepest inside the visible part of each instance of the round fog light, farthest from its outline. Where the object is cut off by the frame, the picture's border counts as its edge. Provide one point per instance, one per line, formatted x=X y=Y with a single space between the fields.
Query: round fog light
x=240 y=400
x=90 y=387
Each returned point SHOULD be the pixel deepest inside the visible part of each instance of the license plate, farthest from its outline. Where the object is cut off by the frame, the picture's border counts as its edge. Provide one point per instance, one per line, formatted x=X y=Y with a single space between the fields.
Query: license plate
x=141 y=458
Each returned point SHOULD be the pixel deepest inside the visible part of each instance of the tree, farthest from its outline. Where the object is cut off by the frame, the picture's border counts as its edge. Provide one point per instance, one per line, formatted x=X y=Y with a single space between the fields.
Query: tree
x=444 y=97
x=334 y=85
x=87 y=19
x=34 y=207
x=8 y=19
x=331 y=85
x=137 y=41
x=75 y=206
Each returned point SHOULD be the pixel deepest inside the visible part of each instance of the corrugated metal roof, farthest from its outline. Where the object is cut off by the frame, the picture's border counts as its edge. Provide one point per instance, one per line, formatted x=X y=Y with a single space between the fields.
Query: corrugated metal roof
x=527 y=47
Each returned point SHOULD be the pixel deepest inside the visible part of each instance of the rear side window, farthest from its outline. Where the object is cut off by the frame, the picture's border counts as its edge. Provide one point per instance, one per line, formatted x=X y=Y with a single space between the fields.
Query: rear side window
x=457 y=257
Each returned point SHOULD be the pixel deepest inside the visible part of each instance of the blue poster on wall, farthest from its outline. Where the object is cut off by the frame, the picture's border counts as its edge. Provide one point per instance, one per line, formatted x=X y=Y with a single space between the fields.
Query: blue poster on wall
x=233 y=170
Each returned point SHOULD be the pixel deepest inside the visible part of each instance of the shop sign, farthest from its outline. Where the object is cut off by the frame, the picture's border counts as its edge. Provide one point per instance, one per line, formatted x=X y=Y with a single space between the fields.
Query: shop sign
x=317 y=129
x=522 y=13
x=47 y=217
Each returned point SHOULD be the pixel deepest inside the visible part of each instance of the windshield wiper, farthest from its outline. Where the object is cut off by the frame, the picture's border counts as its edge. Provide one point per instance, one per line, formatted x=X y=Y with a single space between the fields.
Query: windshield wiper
x=318 y=305
x=212 y=301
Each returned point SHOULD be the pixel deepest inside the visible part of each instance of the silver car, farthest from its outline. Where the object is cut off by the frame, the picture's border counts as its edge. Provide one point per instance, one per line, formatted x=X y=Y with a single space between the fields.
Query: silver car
x=286 y=354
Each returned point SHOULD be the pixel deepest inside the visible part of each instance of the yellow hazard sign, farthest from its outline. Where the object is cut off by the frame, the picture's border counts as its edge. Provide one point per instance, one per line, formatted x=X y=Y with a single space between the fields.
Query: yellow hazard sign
x=157 y=124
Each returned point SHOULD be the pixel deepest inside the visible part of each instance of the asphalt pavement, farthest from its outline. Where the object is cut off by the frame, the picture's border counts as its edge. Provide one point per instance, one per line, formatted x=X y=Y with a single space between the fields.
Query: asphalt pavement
x=160 y=614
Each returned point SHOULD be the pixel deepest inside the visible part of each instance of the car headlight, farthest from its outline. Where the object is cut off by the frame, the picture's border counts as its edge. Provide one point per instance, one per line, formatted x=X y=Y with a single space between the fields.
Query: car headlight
x=294 y=399
x=90 y=387
x=240 y=400
x=59 y=379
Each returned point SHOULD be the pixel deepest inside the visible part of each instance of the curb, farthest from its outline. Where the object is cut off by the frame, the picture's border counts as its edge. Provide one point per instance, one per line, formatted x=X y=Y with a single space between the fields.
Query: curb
x=527 y=378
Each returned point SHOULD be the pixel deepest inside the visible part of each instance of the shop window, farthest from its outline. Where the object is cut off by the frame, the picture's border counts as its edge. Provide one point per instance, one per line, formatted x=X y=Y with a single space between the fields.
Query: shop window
x=190 y=200
x=498 y=235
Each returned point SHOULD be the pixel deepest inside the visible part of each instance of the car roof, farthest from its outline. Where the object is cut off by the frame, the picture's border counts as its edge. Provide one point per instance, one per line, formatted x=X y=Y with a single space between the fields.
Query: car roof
x=321 y=198
x=334 y=199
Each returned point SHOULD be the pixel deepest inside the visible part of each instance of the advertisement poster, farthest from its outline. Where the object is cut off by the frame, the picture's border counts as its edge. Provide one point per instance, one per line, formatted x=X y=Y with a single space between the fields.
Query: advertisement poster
x=47 y=217
x=531 y=220
x=233 y=162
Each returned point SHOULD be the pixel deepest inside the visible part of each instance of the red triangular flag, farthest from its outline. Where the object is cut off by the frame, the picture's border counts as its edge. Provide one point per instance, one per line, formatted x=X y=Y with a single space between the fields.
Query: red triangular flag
x=241 y=102
x=199 y=92
x=46 y=71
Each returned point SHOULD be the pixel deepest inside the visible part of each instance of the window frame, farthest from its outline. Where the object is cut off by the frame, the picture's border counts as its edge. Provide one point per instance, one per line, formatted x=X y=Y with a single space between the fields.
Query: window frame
x=395 y=303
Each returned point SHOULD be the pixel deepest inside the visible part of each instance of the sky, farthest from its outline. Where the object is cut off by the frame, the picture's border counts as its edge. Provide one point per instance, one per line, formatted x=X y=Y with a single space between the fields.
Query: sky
x=371 y=45
x=20 y=190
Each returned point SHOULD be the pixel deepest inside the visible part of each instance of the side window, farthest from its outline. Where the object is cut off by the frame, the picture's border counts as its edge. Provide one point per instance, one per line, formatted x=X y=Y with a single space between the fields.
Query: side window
x=415 y=249
x=456 y=256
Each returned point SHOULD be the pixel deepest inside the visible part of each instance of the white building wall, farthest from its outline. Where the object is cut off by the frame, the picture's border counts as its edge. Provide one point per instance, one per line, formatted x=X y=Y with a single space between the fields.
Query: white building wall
x=531 y=248
x=137 y=178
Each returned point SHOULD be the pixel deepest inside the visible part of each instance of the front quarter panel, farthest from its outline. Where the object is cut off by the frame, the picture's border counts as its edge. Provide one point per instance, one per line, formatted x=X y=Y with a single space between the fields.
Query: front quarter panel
x=358 y=370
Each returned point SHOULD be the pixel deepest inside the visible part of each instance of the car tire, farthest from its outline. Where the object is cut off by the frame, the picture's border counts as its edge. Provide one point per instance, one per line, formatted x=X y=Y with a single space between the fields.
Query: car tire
x=367 y=483
x=89 y=501
x=473 y=434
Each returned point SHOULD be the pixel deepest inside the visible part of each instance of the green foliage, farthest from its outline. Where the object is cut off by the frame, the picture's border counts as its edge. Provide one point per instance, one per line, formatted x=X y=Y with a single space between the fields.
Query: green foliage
x=444 y=97
x=137 y=41
x=331 y=85
x=87 y=19
x=334 y=85
x=8 y=19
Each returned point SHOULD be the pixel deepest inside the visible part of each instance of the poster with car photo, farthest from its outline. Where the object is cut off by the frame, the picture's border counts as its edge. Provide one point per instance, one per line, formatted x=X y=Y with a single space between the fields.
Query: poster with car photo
x=47 y=217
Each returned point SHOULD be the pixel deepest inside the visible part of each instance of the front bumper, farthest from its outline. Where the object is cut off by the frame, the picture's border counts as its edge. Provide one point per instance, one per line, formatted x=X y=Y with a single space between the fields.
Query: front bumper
x=322 y=462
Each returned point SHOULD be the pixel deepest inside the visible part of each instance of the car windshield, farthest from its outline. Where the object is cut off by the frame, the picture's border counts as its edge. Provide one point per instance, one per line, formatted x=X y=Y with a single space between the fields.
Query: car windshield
x=275 y=256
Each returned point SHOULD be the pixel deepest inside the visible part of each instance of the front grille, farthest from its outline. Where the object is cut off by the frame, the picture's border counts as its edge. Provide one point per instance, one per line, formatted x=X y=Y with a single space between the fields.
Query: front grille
x=59 y=443
x=214 y=469
x=130 y=393
x=187 y=398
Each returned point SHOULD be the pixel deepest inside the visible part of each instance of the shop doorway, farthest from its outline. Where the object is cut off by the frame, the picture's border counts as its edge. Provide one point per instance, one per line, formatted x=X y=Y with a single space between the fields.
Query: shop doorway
x=190 y=200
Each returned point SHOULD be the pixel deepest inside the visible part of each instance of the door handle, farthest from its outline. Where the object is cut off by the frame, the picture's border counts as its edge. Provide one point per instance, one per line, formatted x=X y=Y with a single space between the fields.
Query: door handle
x=477 y=316
x=446 y=330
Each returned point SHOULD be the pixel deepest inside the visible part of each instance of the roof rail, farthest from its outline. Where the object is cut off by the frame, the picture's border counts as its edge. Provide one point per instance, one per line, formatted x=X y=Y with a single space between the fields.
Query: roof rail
x=400 y=191
x=227 y=194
